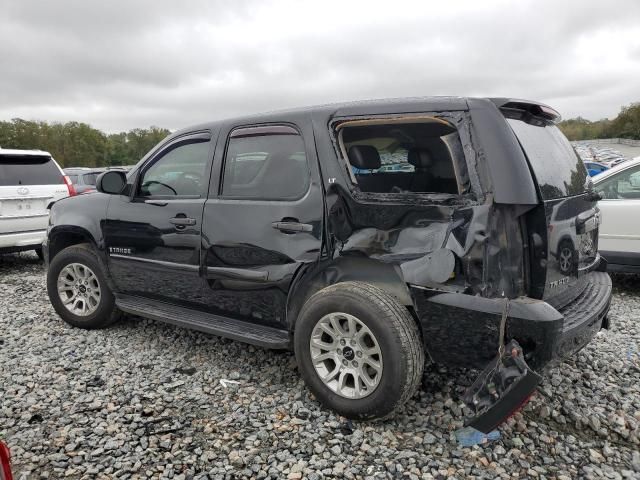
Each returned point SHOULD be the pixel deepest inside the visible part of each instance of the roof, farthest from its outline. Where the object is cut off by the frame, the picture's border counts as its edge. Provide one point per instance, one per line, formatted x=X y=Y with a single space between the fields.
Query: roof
x=617 y=168
x=362 y=107
x=12 y=151
x=354 y=108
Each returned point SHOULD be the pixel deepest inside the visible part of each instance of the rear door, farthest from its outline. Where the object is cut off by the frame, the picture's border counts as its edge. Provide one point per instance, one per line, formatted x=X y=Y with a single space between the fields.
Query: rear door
x=569 y=234
x=153 y=235
x=262 y=221
x=620 y=206
x=28 y=184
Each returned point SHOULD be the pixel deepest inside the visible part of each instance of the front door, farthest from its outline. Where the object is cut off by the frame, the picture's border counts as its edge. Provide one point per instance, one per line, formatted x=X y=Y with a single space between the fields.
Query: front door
x=262 y=221
x=153 y=235
x=620 y=230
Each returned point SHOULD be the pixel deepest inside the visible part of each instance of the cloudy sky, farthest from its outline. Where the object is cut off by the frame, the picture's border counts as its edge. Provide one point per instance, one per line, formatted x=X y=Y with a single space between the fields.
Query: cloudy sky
x=124 y=64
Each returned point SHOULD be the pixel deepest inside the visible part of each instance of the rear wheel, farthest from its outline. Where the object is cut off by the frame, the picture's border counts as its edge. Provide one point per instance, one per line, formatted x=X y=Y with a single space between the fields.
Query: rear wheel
x=358 y=350
x=78 y=289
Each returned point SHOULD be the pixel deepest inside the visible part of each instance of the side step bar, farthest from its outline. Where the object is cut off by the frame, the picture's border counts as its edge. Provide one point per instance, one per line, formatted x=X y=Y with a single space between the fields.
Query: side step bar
x=260 y=335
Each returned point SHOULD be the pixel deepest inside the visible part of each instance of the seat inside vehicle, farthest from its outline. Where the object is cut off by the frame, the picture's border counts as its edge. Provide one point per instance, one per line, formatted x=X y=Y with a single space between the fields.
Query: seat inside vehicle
x=403 y=157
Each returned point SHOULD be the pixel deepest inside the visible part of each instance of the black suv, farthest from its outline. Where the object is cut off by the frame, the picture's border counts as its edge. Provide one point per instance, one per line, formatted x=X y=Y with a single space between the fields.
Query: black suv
x=362 y=236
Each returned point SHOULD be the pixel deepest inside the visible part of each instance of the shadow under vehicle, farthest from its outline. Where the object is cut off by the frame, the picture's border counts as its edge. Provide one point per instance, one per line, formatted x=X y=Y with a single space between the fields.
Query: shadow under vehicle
x=363 y=236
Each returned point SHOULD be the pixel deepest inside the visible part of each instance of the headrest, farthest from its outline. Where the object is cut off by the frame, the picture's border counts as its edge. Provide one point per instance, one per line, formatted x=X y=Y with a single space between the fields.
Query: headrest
x=419 y=157
x=365 y=157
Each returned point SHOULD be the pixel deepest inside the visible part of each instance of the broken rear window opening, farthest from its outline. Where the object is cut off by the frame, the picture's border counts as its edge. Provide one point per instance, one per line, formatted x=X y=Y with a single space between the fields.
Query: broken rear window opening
x=403 y=156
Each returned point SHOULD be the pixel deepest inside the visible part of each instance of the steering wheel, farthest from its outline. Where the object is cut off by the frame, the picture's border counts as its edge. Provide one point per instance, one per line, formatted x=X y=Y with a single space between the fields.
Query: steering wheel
x=155 y=182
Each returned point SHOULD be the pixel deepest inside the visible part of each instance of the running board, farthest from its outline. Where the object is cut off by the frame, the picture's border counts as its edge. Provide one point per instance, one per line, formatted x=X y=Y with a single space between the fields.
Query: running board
x=252 y=333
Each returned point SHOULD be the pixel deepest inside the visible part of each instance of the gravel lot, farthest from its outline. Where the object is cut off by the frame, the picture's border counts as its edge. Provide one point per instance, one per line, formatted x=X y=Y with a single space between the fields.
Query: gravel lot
x=143 y=399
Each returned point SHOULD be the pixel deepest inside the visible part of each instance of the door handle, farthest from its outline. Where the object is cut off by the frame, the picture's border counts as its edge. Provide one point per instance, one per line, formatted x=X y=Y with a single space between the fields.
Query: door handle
x=183 y=221
x=158 y=203
x=291 y=227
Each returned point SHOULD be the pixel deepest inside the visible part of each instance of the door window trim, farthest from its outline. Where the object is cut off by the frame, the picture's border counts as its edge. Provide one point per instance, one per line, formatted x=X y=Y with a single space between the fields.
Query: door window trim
x=201 y=136
x=258 y=130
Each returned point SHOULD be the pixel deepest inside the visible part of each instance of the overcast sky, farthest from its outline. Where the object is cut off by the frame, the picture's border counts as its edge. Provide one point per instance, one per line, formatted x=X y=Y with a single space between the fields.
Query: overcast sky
x=124 y=64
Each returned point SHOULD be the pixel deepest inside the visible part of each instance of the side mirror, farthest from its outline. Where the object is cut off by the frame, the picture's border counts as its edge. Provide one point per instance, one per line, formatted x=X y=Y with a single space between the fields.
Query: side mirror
x=111 y=182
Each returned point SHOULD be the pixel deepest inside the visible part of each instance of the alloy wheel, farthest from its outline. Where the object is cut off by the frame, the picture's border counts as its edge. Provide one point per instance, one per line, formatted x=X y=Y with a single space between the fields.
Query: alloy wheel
x=346 y=355
x=79 y=289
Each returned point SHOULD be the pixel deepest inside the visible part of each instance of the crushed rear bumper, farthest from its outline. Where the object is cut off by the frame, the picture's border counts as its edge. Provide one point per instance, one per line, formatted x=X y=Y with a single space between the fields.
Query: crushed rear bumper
x=464 y=330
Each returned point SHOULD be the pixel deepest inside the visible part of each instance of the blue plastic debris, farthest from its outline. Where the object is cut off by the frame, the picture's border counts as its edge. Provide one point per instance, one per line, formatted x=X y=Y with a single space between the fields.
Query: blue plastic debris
x=469 y=436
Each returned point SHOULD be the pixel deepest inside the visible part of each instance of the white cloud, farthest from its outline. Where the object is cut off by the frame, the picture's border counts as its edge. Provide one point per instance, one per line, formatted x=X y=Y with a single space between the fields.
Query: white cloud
x=121 y=64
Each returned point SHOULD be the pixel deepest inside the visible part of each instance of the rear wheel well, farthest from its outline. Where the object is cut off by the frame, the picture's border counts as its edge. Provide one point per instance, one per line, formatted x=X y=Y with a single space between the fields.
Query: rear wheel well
x=345 y=269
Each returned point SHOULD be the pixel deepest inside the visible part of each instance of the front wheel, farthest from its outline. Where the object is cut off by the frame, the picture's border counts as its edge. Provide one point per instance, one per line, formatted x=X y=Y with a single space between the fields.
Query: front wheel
x=358 y=350
x=78 y=289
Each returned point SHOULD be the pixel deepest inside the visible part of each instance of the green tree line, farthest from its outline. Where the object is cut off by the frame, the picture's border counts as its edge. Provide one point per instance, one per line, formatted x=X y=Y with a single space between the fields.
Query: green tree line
x=625 y=125
x=75 y=144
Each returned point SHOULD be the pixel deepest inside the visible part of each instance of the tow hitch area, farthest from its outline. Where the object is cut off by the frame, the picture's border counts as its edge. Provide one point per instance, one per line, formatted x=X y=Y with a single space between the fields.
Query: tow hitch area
x=504 y=385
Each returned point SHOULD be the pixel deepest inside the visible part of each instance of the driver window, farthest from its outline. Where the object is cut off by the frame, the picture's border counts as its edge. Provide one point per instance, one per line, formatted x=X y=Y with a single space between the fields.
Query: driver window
x=180 y=171
x=624 y=185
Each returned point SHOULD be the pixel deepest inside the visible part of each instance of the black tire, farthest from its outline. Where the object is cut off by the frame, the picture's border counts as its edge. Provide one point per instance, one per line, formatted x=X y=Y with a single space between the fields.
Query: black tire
x=40 y=253
x=106 y=312
x=394 y=329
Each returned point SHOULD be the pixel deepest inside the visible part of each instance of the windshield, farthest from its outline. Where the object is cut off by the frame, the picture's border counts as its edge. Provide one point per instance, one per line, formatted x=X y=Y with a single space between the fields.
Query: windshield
x=556 y=166
x=28 y=170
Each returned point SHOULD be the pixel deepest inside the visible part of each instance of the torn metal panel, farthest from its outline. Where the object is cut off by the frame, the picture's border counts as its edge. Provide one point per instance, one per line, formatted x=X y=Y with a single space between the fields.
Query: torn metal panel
x=463 y=330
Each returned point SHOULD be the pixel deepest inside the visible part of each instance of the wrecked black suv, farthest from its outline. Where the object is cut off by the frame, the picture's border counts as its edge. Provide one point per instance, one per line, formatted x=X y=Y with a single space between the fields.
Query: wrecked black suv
x=363 y=236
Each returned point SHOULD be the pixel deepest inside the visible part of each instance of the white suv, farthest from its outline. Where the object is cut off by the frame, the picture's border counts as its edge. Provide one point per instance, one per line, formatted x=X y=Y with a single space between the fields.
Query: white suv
x=30 y=181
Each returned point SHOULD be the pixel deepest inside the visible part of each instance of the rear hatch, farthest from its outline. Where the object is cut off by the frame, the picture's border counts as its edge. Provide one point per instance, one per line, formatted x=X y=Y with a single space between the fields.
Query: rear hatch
x=563 y=231
x=28 y=184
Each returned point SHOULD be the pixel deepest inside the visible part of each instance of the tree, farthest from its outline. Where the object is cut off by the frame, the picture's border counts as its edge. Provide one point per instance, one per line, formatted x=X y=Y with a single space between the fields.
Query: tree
x=75 y=144
x=625 y=125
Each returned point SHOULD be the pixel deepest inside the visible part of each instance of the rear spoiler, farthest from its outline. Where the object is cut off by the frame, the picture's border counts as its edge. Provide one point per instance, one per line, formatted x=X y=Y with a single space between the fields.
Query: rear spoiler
x=535 y=109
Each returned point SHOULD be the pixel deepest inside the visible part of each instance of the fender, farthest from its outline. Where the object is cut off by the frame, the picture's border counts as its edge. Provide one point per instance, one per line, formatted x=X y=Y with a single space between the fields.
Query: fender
x=314 y=278
x=70 y=225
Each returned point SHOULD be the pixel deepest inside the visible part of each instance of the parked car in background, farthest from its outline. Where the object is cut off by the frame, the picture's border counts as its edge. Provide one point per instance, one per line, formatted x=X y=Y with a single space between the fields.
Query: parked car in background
x=594 y=168
x=83 y=179
x=258 y=229
x=30 y=182
x=619 y=240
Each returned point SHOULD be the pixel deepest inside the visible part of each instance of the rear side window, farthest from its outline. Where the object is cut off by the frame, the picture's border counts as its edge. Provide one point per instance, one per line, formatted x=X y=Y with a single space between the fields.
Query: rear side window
x=89 y=178
x=557 y=168
x=271 y=166
x=28 y=170
x=407 y=157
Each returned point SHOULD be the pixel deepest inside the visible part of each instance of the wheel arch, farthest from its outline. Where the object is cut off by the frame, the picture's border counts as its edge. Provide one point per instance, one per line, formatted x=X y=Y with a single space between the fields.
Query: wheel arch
x=314 y=278
x=64 y=236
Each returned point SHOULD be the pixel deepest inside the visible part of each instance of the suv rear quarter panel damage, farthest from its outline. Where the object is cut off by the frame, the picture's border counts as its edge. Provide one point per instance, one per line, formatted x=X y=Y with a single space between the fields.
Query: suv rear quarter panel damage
x=434 y=252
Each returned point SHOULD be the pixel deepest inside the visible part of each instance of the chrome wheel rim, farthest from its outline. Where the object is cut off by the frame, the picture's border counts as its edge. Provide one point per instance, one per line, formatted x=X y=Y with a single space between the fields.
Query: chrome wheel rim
x=79 y=289
x=346 y=355
x=565 y=259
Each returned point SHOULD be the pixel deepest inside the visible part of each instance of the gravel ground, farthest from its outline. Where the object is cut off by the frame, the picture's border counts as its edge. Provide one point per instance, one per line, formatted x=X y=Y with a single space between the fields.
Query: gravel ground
x=143 y=399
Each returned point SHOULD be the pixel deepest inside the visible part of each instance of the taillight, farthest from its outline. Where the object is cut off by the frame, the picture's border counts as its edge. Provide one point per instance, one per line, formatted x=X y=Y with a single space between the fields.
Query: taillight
x=5 y=463
x=70 y=187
